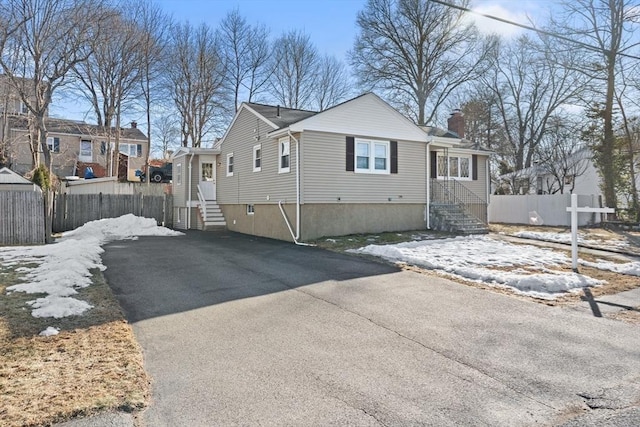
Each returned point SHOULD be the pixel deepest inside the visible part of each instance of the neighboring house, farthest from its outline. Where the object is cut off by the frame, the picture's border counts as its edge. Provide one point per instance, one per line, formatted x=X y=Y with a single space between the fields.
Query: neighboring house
x=74 y=145
x=576 y=173
x=77 y=145
x=11 y=181
x=359 y=167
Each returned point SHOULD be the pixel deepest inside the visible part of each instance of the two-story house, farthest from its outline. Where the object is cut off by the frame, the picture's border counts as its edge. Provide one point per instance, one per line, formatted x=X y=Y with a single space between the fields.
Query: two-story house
x=74 y=145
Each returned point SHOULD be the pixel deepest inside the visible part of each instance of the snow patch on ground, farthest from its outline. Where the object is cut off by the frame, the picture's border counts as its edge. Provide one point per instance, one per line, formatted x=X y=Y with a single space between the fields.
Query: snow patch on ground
x=483 y=259
x=63 y=267
x=566 y=238
x=50 y=331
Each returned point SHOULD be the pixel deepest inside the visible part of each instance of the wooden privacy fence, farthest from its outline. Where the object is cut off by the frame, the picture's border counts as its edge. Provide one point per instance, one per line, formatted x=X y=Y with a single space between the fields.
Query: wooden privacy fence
x=21 y=218
x=73 y=210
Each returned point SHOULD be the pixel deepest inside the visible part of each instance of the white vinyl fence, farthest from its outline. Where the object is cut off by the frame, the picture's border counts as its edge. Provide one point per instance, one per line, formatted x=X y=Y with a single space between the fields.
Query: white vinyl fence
x=551 y=208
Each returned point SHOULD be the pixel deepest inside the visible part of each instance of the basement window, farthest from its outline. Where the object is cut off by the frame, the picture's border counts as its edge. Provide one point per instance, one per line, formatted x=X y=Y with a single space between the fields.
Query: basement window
x=250 y=210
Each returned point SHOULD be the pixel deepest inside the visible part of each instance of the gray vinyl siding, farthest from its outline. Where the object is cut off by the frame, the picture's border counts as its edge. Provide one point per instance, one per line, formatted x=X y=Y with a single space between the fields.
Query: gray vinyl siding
x=246 y=186
x=325 y=179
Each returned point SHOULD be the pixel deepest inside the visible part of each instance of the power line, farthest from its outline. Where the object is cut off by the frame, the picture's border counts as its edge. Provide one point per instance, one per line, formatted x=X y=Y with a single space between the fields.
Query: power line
x=527 y=27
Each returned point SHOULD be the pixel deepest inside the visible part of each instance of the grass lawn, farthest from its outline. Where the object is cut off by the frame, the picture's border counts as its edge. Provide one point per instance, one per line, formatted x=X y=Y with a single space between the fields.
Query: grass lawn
x=93 y=364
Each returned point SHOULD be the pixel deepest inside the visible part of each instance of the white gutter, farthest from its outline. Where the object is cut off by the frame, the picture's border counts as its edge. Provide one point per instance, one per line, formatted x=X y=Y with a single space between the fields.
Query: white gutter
x=189 y=194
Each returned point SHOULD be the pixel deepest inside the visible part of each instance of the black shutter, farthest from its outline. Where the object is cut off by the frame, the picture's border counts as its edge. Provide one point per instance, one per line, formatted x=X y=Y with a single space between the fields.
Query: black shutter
x=56 y=145
x=103 y=148
x=350 y=153
x=474 y=167
x=139 y=150
x=394 y=156
x=434 y=164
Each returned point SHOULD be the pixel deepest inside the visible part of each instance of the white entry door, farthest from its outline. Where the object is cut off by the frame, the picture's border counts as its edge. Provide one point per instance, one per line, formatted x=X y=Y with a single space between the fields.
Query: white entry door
x=208 y=178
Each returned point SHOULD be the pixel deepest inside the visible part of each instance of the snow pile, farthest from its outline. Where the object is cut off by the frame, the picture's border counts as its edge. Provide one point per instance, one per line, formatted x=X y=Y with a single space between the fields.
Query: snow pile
x=63 y=267
x=483 y=259
x=566 y=238
x=50 y=331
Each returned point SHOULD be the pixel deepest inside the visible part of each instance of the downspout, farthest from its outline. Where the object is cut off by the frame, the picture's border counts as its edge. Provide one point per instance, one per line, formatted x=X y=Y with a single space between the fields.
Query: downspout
x=295 y=237
x=189 y=195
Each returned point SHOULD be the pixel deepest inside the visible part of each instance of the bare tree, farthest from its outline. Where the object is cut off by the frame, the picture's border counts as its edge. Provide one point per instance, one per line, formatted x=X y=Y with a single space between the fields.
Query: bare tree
x=417 y=52
x=196 y=76
x=529 y=86
x=166 y=131
x=562 y=157
x=332 y=83
x=152 y=24
x=110 y=76
x=295 y=72
x=42 y=41
x=606 y=26
x=247 y=56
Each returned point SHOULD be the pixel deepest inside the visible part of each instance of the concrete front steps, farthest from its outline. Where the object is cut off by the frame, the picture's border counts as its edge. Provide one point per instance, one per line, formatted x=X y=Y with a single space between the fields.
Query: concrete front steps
x=452 y=218
x=211 y=216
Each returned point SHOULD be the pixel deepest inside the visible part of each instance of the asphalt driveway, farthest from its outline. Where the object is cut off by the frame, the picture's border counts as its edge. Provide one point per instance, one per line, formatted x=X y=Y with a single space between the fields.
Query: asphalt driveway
x=238 y=330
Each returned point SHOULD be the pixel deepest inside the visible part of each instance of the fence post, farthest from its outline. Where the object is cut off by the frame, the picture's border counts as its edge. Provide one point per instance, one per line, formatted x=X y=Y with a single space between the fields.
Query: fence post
x=100 y=205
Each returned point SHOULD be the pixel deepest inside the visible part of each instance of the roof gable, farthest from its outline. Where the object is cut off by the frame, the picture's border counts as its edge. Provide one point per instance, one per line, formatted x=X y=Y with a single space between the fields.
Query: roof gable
x=365 y=115
x=7 y=176
x=280 y=116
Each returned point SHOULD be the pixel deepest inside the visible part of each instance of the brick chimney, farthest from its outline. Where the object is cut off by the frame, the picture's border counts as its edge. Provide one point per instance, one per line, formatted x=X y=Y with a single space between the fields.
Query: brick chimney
x=456 y=123
x=134 y=125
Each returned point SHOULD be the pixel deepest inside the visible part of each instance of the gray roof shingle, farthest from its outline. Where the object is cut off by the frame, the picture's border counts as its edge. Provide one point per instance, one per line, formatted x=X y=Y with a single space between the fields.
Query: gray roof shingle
x=77 y=128
x=287 y=116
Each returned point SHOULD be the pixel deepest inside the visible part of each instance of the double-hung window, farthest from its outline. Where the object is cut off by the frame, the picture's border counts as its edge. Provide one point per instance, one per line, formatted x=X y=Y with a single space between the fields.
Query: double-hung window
x=372 y=156
x=86 y=151
x=54 y=144
x=230 y=164
x=458 y=166
x=284 y=155
x=131 y=150
x=257 y=158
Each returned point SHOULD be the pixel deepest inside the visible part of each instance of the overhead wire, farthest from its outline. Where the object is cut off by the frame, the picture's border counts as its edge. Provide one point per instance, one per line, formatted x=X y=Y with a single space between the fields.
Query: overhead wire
x=530 y=28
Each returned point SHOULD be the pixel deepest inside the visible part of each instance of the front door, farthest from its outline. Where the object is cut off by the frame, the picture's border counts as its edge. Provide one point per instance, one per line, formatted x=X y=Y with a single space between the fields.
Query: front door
x=208 y=178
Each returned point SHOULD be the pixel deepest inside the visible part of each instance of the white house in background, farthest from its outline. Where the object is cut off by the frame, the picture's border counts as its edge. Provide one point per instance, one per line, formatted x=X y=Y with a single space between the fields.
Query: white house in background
x=575 y=174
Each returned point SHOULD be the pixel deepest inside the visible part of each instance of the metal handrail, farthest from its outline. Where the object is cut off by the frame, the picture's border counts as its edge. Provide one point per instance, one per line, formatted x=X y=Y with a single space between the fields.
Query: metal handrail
x=203 y=205
x=452 y=192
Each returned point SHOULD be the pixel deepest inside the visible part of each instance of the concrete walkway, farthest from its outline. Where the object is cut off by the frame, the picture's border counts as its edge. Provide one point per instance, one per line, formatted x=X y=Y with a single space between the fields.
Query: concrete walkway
x=238 y=330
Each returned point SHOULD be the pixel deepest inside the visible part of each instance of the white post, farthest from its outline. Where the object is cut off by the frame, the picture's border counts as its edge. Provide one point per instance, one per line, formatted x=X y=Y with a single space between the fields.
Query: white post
x=574 y=232
x=574 y=209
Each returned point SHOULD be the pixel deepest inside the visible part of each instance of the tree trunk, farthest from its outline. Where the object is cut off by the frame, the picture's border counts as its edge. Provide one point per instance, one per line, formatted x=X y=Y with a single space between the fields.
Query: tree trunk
x=608 y=144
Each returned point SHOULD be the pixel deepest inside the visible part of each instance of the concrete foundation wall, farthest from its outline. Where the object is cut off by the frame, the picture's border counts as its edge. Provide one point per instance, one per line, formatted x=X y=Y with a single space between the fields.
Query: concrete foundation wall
x=266 y=221
x=319 y=220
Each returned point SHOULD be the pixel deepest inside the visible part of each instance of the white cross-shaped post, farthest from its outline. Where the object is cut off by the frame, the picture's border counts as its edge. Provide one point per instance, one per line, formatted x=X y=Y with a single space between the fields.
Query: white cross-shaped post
x=574 y=209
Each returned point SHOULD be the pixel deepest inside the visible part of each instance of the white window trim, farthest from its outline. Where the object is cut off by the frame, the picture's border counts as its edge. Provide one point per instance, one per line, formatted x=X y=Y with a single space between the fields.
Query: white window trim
x=371 y=169
x=280 y=168
x=82 y=157
x=233 y=163
x=179 y=174
x=255 y=150
x=51 y=143
x=458 y=156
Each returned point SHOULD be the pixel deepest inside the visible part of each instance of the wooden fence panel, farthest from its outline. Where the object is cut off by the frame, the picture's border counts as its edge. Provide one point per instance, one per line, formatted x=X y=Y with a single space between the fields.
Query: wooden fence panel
x=74 y=210
x=21 y=218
